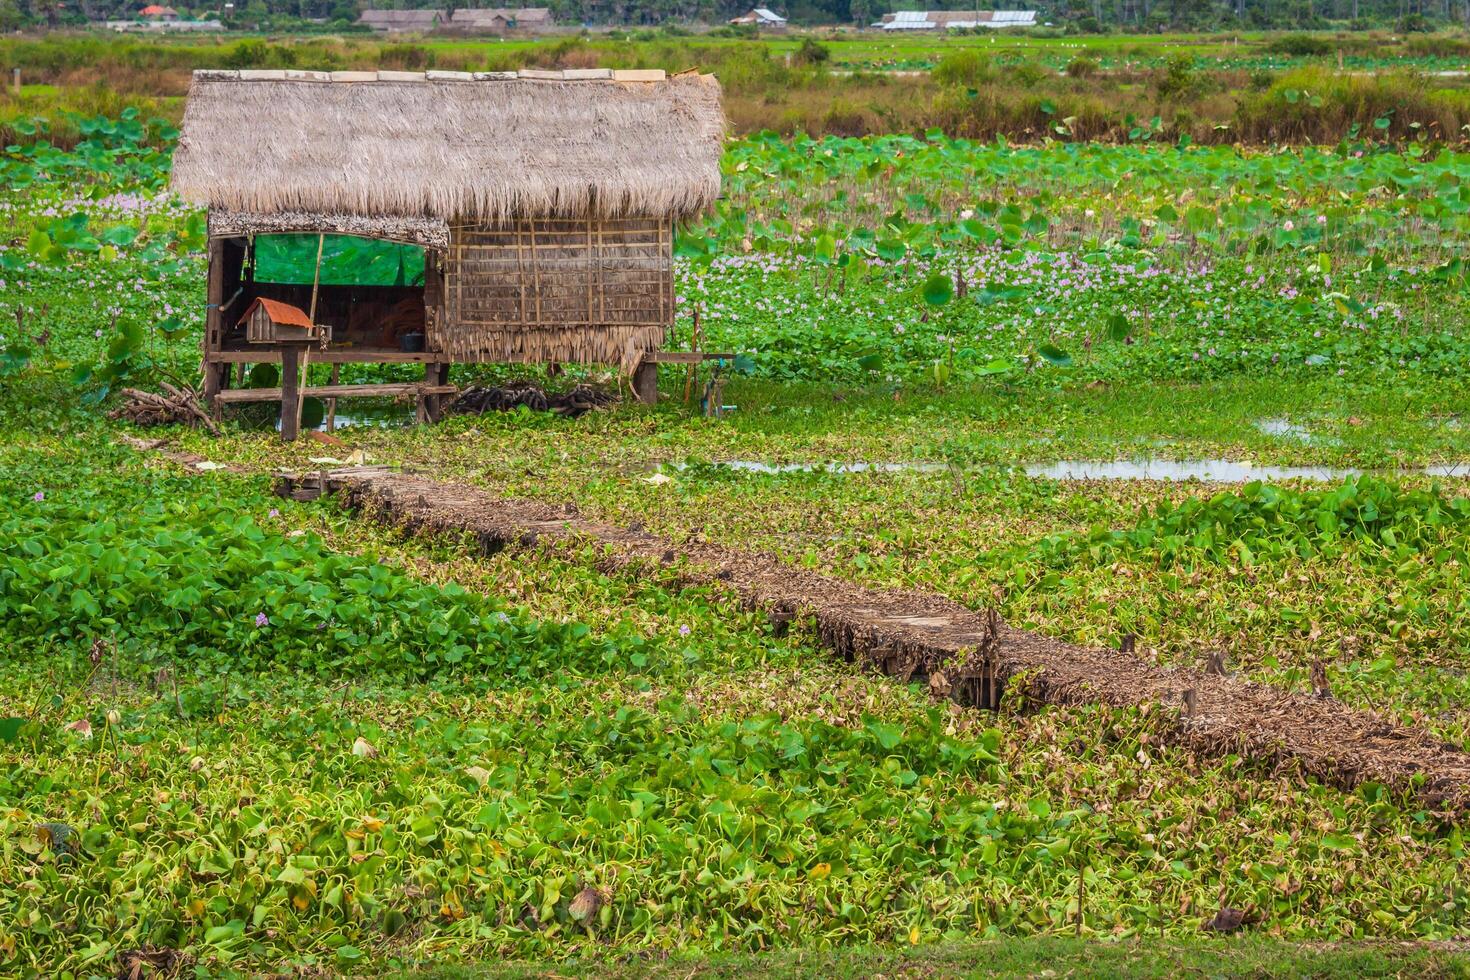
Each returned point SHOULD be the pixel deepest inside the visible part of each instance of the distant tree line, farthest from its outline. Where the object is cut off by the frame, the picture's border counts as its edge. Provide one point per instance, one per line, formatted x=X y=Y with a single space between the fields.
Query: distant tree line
x=1067 y=15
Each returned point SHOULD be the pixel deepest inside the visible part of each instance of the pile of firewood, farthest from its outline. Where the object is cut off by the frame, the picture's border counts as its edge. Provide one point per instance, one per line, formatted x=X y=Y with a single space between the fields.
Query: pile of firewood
x=477 y=400
x=175 y=405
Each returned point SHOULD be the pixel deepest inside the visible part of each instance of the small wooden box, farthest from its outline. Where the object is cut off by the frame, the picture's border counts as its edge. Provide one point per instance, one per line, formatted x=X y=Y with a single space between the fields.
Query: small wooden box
x=269 y=321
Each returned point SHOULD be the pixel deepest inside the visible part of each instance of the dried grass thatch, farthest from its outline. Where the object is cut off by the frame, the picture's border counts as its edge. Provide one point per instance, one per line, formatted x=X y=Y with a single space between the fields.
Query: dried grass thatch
x=477 y=150
x=584 y=290
x=428 y=232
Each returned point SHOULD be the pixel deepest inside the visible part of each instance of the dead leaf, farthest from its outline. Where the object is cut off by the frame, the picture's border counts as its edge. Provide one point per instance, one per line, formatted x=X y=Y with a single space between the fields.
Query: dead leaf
x=364 y=749
x=586 y=905
x=1229 y=920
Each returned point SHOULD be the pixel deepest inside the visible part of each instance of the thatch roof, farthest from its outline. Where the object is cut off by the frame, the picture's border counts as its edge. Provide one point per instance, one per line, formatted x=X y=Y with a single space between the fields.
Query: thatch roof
x=453 y=147
x=401 y=20
x=428 y=232
x=526 y=16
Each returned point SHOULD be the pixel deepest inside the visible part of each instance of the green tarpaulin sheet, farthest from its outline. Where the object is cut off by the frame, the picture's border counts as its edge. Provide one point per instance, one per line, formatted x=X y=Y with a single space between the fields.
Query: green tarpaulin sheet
x=346 y=261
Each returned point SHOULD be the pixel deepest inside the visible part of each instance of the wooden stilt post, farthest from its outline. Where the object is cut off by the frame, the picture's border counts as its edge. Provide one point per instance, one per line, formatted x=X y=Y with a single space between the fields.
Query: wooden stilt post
x=290 y=392
x=435 y=374
x=215 y=374
x=216 y=378
x=645 y=382
x=332 y=402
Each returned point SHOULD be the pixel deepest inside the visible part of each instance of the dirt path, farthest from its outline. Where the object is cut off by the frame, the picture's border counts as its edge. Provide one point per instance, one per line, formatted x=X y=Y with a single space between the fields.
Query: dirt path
x=970 y=657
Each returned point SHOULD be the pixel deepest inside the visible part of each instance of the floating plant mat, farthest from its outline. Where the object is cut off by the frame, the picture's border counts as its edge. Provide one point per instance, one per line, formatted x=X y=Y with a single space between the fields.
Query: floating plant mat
x=1165 y=470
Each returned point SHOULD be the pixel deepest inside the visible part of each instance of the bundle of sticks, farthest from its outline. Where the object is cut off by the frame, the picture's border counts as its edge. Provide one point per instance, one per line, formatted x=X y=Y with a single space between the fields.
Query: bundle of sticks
x=173 y=406
x=477 y=400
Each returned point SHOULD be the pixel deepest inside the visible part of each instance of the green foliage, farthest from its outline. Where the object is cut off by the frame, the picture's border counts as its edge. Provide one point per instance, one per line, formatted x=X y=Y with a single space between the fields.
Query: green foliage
x=811 y=52
x=967 y=67
x=128 y=562
x=1381 y=521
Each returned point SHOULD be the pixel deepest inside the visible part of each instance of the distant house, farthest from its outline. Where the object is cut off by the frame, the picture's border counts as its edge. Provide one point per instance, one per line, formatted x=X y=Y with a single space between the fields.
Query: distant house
x=955 y=20
x=155 y=12
x=501 y=20
x=763 y=18
x=161 y=25
x=402 y=21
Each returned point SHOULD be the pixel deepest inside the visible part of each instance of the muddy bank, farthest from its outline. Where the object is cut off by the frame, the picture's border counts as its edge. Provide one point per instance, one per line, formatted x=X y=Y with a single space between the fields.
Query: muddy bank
x=970 y=657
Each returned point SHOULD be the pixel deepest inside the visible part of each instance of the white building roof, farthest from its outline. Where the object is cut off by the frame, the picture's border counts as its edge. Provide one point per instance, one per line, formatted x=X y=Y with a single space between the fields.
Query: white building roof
x=928 y=20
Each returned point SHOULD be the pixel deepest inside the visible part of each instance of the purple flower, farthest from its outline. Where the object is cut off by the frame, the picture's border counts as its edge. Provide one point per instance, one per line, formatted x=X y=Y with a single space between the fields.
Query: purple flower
x=274 y=513
x=39 y=496
x=684 y=630
x=261 y=619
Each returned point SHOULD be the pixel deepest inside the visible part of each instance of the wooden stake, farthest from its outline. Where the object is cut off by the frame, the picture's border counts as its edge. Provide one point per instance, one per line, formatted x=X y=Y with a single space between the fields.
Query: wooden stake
x=332 y=402
x=693 y=346
x=290 y=391
x=316 y=277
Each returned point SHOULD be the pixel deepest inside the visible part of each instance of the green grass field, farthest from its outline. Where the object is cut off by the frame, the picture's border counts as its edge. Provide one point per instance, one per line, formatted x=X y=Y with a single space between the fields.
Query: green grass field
x=243 y=735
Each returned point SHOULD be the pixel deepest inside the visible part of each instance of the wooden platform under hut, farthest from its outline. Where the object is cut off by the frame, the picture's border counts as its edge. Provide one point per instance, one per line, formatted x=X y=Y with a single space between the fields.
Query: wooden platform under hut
x=441 y=218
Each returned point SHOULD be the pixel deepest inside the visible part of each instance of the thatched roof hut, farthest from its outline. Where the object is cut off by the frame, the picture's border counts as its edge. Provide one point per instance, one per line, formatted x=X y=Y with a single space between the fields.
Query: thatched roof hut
x=545 y=201
x=501 y=20
x=401 y=21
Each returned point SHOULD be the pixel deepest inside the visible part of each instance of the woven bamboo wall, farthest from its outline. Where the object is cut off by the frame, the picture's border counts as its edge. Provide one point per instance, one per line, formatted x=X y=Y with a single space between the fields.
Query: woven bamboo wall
x=584 y=290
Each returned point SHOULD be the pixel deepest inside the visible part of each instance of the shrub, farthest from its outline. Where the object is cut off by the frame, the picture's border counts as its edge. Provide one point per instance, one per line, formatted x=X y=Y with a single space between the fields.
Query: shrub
x=257 y=53
x=407 y=57
x=1321 y=106
x=1178 y=78
x=1028 y=74
x=966 y=67
x=1300 y=46
x=811 y=52
x=1082 y=67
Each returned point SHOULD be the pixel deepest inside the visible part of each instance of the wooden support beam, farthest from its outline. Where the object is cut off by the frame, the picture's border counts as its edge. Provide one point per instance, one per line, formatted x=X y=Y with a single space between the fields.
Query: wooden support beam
x=336 y=391
x=645 y=382
x=216 y=379
x=436 y=377
x=290 y=394
x=325 y=357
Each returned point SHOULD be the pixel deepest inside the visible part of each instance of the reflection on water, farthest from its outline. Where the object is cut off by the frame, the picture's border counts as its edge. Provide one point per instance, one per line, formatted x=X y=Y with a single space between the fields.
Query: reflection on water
x=380 y=419
x=1285 y=429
